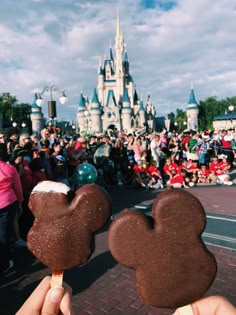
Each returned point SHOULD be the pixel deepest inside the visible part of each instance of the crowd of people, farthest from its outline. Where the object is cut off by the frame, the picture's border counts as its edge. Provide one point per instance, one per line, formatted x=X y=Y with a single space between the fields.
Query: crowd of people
x=147 y=161
x=144 y=160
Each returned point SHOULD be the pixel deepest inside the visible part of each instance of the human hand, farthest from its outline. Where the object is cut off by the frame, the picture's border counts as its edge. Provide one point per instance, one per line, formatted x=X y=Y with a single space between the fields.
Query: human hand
x=213 y=305
x=48 y=301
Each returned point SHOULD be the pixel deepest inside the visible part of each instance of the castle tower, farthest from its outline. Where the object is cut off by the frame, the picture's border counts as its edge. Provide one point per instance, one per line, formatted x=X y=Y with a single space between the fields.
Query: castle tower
x=81 y=114
x=142 y=118
x=95 y=112
x=192 y=111
x=36 y=117
x=126 y=112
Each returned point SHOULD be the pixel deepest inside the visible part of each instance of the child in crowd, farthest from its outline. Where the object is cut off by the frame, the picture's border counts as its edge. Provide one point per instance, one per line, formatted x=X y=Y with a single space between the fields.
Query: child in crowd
x=178 y=179
x=203 y=174
x=193 y=171
x=142 y=176
x=218 y=174
x=155 y=174
x=169 y=169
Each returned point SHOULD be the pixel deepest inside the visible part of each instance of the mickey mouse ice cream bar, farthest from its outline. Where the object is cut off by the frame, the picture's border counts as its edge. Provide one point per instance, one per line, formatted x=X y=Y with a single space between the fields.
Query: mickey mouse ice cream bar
x=62 y=235
x=173 y=266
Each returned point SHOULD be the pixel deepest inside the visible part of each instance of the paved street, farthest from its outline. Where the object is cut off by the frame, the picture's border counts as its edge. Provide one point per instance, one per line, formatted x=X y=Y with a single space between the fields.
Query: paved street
x=104 y=287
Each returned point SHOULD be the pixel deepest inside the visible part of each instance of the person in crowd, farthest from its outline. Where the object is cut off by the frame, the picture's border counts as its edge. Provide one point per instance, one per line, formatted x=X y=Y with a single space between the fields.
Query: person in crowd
x=193 y=146
x=129 y=146
x=203 y=174
x=2 y=136
x=177 y=179
x=10 y=201
x=156 y=175
x=24 y=138
x=139 y=151
x=155 y=147
x=22 y=167
x=38 y=173
x=203 y=148
x=193 y=169
x=141 y=175
x=173 y=147
x=226 y=140
x=184 y=144
x=12 y=136
x=169 y=169
x=224 y=163
x=218 y=174
x=61 y=170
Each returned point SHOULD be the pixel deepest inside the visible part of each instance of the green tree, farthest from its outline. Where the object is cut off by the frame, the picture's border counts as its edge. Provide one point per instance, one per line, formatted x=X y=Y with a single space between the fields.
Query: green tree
x=7 y=103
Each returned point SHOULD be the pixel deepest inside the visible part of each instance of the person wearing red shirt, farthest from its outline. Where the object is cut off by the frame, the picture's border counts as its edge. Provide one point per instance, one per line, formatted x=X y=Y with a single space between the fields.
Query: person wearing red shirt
x=142 y=176
x=178 y=179
x=169 y=167
x=203 y=174
x=217 y=173
x=224 y=164
x=156 y=175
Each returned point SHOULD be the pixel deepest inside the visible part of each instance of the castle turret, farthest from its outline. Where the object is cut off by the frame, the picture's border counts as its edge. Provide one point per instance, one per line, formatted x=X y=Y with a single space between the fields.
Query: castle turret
x=81 y=113
x=192 y=111
x=100 y=82
x=142 y=117
x=36 y=117
x=95 y=114
x=126 y=112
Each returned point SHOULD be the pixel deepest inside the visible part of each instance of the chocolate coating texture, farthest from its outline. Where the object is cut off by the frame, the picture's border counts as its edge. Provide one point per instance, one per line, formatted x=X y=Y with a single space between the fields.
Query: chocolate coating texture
x=62 y=235
x=173 y=267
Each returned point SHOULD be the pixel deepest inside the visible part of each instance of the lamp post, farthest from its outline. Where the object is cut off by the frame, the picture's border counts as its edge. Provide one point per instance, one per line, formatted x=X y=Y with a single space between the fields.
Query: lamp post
x=231 y=108
x=52 y=110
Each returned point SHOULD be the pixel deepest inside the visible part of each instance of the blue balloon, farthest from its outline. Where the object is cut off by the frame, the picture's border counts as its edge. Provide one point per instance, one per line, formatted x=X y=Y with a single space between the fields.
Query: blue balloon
x=84 y=174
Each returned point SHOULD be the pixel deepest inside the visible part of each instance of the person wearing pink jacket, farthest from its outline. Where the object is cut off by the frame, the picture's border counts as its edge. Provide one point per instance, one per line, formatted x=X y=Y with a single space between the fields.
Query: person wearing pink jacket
x=11 y=198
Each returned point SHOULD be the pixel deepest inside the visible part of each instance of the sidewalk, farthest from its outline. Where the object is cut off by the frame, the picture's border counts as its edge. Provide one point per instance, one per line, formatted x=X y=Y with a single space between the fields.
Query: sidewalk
x=104 y=287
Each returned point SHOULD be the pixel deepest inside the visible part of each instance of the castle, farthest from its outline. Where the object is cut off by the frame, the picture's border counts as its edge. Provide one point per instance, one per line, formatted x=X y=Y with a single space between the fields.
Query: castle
x=115 y=103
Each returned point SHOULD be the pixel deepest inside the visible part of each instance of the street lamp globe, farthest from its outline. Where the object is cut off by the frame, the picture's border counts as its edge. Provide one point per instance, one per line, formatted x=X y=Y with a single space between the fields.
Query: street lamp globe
x=39 y=101
x=231 y=107
x=14 y=124
x=63 y=98
x=23 y=125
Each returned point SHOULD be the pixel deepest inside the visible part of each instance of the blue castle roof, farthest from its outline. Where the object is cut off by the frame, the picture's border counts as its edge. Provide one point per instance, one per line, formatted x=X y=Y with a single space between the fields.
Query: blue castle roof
x=82 y=100
x=192 y=99
x=95 y=96
x=141 y=108
x=126 y=96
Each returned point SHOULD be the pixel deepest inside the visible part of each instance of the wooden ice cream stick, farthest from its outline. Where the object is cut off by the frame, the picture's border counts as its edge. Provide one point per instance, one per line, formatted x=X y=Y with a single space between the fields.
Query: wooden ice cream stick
x=57 y=278
x=185 y=310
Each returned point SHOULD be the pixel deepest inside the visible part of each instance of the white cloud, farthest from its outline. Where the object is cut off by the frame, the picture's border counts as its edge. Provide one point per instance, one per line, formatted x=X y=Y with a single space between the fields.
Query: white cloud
x=59 y=44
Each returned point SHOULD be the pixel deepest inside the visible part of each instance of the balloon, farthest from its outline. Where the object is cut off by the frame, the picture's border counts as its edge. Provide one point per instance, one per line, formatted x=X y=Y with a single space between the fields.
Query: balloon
x=84 y=174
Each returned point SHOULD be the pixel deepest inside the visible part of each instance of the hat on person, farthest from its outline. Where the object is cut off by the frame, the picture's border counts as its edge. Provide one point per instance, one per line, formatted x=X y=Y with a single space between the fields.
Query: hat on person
x=223 y=156
x=205 y=135
x=60 y=158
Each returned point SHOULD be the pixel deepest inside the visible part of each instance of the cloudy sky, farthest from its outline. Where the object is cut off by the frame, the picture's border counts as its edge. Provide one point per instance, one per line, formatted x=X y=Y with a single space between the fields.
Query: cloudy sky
x=169 y=44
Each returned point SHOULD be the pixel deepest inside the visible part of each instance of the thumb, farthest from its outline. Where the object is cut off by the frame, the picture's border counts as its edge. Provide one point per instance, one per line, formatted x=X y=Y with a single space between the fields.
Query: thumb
x=52 y=301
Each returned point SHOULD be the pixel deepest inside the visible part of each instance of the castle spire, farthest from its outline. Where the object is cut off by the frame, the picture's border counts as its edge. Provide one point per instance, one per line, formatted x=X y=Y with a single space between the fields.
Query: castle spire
x=118 y=29
x=192 y=99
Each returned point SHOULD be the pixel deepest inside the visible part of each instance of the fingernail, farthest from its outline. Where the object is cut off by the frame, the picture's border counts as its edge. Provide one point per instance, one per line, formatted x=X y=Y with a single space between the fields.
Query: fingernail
x=56 y=294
